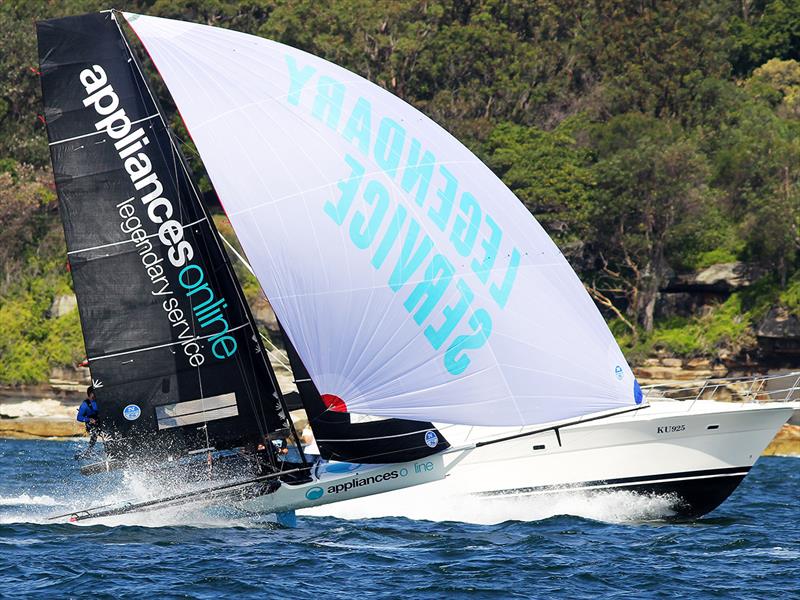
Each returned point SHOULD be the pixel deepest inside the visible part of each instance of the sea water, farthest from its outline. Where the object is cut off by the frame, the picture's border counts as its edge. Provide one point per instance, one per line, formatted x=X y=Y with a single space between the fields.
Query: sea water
x=568 y=546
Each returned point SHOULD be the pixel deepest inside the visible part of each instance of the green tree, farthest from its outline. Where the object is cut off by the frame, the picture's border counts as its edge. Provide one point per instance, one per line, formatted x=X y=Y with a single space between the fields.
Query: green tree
x=764 y=29
x=27 y=205
x=777 y=82
x=550 y=173
x=651 y=178
x=757 y=166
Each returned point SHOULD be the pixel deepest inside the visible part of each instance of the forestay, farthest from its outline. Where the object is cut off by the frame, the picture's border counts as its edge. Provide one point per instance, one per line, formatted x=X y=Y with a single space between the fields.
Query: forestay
x=411 y=281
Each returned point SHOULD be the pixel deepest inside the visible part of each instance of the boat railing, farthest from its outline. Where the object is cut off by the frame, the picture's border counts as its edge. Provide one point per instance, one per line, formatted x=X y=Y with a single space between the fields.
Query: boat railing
x=782 y=387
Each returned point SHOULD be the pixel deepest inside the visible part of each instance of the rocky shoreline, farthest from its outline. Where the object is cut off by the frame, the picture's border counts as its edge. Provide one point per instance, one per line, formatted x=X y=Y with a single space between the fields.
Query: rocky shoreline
x=48 y=411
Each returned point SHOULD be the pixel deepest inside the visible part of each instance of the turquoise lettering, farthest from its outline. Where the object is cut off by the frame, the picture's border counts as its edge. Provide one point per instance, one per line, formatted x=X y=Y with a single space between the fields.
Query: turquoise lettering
x=329 y=99
x=410 y=259
x=359 y=126
x=390 y=236
x=349 y=187
x=456 y=359
x=298 y=78
x=224 y=347
x=184 y=272
x=452 y=316
x=464 y=234
x=490 y=246
x=437 y=277
x=375 y=194
x=418 y=171
x=389 y=145
x=500 y=294
x=447 y=195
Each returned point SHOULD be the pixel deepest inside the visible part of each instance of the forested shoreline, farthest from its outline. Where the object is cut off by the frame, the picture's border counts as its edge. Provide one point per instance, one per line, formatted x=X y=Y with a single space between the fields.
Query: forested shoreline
x=652 y=140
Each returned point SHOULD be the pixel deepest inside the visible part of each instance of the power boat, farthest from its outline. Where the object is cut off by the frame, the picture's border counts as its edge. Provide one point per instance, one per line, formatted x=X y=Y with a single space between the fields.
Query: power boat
x=692 y=452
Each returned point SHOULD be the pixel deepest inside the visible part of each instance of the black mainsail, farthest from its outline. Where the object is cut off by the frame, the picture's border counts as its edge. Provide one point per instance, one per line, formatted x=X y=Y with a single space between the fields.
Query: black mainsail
x=173 y=350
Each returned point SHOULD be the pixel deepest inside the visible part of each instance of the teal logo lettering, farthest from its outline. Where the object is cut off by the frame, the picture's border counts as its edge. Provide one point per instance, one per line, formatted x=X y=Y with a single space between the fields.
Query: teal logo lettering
x=390 y=171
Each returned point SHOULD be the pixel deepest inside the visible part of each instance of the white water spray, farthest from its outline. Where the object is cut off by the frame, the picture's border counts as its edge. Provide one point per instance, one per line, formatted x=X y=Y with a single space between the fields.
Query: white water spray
x=421 y=504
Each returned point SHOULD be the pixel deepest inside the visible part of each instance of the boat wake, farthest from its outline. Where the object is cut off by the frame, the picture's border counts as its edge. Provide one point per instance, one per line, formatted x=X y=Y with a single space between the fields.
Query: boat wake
x=41 y=510
x=129 y=488
x=27 y=508
x=418 y=503
x=606 y=506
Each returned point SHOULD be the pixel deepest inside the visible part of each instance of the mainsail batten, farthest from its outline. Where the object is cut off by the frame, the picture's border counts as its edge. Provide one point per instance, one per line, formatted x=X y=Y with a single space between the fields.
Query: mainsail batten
x=164 y=325
x=409 y=279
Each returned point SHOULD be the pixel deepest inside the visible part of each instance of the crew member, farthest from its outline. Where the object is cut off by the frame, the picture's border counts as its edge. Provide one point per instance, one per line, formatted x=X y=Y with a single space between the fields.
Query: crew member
x=309 y=443
x=88 y=413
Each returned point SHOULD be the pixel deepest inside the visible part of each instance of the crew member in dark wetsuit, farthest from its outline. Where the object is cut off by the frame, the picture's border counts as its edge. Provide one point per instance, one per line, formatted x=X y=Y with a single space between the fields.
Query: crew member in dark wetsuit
x=88 y=413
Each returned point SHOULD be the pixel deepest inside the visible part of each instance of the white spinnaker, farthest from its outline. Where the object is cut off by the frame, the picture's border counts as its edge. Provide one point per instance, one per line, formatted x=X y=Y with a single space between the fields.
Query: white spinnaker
x=411 y=281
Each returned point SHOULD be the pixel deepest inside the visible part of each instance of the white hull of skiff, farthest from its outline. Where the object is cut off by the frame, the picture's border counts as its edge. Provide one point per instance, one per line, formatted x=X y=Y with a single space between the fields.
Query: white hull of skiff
x=696 y=451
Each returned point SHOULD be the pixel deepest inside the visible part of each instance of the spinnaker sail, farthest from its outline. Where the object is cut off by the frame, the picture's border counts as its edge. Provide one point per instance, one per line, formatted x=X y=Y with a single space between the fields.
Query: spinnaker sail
x=172 y=348
x=411 y=282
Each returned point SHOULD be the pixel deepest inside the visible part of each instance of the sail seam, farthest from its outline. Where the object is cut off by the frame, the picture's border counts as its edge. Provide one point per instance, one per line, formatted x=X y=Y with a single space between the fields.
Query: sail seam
x=128 y=241
x=85 y=135
x=194 y=339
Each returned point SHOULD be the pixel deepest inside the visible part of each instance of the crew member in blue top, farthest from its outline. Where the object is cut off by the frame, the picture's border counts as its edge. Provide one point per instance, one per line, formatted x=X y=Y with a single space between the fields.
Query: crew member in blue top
x=87 y=413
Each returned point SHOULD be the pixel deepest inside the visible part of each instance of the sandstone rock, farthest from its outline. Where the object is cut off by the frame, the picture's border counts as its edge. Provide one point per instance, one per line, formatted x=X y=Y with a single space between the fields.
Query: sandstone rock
x=720 y=278
x=698 y=363
x=284 y=377
x=45 y=427
x=678 y=304
x=46 y=408
x=63 y=304
x=779 y=332
x=786 y=443
x=672 y=362
x=719 y=370
x=70 y=378
x=659 y=374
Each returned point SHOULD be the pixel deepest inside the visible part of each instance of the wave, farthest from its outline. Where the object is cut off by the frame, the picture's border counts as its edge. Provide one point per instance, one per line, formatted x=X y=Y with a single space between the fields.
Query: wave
x=27 y=500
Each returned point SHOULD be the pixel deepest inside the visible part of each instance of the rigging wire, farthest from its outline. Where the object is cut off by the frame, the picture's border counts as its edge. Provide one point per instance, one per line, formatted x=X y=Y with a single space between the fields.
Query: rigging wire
x=276 y=354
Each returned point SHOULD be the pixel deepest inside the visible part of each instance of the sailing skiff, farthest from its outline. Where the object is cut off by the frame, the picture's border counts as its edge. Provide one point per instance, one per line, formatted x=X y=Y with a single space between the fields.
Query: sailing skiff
x=436 y=334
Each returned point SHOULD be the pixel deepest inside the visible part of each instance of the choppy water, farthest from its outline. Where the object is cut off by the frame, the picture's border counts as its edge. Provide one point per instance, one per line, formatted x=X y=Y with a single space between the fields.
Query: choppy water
x=568 y=547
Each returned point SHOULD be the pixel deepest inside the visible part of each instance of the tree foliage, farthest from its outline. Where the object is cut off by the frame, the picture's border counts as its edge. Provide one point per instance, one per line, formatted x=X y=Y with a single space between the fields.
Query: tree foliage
x=647 y=137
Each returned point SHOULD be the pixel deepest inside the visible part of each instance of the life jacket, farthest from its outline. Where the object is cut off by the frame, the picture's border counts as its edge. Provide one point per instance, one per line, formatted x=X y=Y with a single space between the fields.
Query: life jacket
x=91 y=405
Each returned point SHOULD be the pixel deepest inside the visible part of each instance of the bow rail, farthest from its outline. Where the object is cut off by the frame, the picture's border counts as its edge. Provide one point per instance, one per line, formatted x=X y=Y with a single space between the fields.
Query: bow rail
x=783 y=387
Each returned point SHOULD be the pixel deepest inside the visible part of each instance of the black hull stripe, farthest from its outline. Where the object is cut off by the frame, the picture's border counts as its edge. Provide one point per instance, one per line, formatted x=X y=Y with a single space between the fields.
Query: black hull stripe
x=624 y=481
